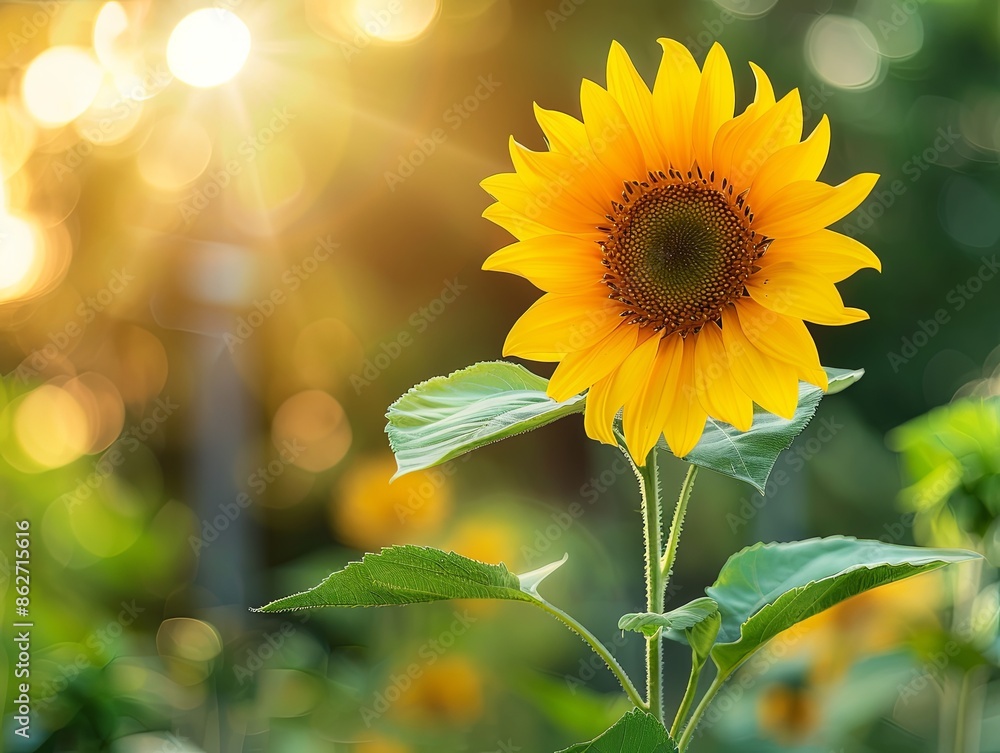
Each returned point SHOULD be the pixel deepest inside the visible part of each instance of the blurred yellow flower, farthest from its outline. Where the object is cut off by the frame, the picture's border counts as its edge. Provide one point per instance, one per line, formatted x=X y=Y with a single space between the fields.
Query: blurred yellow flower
x=382 y=745
x=449 y=691
x=485 y=540
x=788 y=713
x=368 y=512
x=684 y=295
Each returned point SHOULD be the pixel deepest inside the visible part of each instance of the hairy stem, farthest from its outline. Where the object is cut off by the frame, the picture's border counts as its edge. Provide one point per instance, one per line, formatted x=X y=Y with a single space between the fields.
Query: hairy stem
x=702 y=707
x=667 y=563
x=687 y=701
x=650 y=487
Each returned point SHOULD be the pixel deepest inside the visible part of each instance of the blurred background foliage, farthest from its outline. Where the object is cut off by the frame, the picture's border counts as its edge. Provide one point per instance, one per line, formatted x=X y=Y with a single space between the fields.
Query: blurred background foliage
x=218 y=266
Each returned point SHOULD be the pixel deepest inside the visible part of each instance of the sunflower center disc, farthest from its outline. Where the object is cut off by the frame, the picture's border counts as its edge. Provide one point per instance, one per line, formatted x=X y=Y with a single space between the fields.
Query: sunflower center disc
x=677 y=254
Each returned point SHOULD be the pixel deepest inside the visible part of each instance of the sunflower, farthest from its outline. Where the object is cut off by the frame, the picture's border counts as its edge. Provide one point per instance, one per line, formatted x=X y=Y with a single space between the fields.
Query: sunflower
x=680 y=249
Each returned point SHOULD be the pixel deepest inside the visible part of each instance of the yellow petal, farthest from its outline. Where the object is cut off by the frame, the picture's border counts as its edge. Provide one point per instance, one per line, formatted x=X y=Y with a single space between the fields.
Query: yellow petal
x=633 y=96
x=510 y=189
x=555 y=179
x=610 y=393
x=517 y=224
x=732 y=130
x=804 y=207
x=610 y=135
x=563 y=132
x=802 y=161
x=554 y=263
x=558 y=324
x=795 y=291
x=686 y=420
x=581 y=369
x=716 y=100
x=645 y=414
x=830 y=254
x=675 y=93
x=783 y=337
x=717 y=391
x=779 y=127
x=764 y=94
x=769 y=383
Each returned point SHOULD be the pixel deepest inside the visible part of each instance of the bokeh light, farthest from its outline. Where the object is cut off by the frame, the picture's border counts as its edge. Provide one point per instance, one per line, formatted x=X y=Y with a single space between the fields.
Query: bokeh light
x=313 y=423
x=18 y=255
x=175 y=154
x=51 y=427
x=60 y=84
x=843 y=51
x=396 y=21
x=208 y=47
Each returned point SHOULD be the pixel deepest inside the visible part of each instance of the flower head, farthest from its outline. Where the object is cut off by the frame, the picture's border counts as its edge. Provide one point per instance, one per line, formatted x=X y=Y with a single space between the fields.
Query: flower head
x=680 y=249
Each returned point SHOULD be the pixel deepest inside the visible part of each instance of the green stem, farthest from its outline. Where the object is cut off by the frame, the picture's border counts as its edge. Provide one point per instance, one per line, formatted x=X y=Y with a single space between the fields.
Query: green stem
x=706 y=701
x=599 y=648
x=962 y=714
x=650 y=487
x=689 y=694
x=667 y=563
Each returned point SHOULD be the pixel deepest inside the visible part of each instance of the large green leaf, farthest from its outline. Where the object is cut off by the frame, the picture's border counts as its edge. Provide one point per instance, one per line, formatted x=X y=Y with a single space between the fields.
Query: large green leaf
x=636 y=732
x=749 y=456
x=412 y=574
x=767 y=588
x=445 y=417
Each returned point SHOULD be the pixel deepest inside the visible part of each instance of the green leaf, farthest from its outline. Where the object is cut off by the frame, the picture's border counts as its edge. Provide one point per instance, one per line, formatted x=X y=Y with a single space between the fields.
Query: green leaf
x=767 y=588
x=445 y=417
x=687 y=616
x=636 y=732
x=749 y=456
x=412 y=574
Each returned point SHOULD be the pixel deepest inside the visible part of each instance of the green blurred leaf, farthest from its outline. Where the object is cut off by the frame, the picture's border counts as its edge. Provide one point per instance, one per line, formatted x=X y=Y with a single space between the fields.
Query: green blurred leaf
x=445 y=417
x=687 y=616
x=412 y=574
x=636 y=732
x=767 y=588
x=749 y=456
